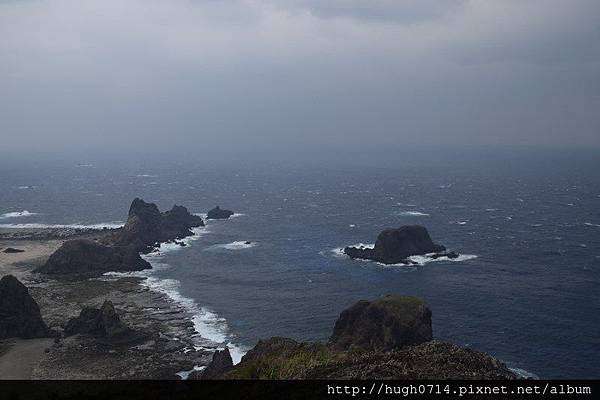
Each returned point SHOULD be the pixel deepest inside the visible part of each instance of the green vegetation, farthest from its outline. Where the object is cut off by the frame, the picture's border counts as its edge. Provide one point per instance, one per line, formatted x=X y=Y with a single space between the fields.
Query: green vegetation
x=289 y=363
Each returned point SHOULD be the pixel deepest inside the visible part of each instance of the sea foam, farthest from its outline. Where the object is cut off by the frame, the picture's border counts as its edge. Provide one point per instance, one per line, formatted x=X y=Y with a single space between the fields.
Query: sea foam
x=17 y=214
x=101 y=225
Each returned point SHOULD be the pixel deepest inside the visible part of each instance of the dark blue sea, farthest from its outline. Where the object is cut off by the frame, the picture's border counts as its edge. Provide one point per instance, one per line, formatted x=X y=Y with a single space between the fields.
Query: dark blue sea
x=527 y=289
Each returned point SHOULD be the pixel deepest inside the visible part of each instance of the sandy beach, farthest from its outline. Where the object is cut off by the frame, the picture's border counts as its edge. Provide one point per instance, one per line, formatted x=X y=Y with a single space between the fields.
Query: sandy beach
x=162 y=347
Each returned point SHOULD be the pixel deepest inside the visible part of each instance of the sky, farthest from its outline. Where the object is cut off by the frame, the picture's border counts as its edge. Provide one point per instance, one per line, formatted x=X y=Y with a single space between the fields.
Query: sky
x=297 y=75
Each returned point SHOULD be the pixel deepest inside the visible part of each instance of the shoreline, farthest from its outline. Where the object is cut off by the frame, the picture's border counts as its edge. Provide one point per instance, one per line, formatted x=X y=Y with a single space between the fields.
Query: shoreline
x=166 y=350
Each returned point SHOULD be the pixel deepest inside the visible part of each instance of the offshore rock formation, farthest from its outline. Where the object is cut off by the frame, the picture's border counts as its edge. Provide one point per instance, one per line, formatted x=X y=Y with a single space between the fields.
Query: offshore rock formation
x=396 y=245
x=88 y=258
x=219 y=213
x=385 y=324
x=19 y=313
x=389 y=338
x=103 y=322
x=146 y=225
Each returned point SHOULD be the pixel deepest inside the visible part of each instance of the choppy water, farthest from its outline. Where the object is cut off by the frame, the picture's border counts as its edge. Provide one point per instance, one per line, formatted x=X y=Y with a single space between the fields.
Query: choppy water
x=530 y=296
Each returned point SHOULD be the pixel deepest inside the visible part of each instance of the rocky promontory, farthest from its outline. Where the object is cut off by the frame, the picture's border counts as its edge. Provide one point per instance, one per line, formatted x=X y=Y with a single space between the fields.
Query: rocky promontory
x=388 y=338
x=219 y=213
x=396 y=245
x=146 y=226
x=19 y=313
x=84 y=257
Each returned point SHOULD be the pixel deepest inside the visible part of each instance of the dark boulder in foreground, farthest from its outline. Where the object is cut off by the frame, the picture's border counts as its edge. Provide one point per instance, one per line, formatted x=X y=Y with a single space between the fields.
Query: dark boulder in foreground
x=220 y=364
x=103 y=322
x=19 y=313
x=89 y=258
x=389 y=323
x=219 y=213
x=11 y=250
x=389 y=338
x=395 y=245
x=146 y=225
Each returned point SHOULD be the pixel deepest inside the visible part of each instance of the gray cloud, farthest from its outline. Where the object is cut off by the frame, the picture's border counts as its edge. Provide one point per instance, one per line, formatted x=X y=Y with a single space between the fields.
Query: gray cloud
x=253 y=74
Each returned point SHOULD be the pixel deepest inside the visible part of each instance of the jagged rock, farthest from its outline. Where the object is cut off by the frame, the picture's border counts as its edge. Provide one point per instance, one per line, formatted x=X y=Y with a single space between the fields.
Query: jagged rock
x=89 y=258
x=103 y=322
x=146 y=225
x=391 y=322
x=220 y=364
x=19 y=313
x=219 y=213
x=396 y=245
x=11 y=250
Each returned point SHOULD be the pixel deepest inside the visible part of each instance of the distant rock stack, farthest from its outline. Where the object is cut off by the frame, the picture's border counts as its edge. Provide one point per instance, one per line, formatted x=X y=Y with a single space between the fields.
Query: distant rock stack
x=146 y=226
x=19 y=313
x=219 y=213
x=395 y=245
x=88 y=258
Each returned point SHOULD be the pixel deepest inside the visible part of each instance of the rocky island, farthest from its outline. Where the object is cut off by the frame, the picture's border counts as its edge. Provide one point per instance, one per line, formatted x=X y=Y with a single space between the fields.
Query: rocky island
x=388 y=338
x=219 y=213
x=396 y=245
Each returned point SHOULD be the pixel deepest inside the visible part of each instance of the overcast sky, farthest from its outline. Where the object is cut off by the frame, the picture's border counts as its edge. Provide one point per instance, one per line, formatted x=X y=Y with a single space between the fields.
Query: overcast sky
x=262 y=74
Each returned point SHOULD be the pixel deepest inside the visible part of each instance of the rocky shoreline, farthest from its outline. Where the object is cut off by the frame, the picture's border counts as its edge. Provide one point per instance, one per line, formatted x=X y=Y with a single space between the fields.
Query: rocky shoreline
x=164 y=346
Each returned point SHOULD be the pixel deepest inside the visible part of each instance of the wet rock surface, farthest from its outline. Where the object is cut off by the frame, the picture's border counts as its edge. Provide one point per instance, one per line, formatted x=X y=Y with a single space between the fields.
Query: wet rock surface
x=396 y=245
x=19 y=313
x=12 y=250
x=220 y=364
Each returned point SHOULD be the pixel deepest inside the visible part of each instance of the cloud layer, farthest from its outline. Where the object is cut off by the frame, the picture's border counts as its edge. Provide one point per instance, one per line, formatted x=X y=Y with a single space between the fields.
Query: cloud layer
x=298 y=73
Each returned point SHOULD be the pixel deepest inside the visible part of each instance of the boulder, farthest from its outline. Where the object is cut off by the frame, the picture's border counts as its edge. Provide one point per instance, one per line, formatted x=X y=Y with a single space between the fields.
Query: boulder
x=89 y=258
x=395 y=245
x=19 y=313
x=385 y=324
x=220 y=364
x=219 y=213
x=102 y=322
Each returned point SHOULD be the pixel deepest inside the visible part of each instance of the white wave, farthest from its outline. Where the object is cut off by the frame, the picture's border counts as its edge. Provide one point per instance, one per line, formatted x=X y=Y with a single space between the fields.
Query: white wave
x=17 y=214
x=208 y=325
x=186 y=374
x=237 y=245
x=339 y=251
x=352 y=226
x=426 y=259
x=459 y=222
x=405 y=205
x=101 y=225
x=411 y=214
x=521 y=373
x=492 y=209
x=590 y=224
x=146 y=176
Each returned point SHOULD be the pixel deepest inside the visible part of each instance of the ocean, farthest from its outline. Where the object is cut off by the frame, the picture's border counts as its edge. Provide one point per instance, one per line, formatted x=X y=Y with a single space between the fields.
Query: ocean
x=526 y=289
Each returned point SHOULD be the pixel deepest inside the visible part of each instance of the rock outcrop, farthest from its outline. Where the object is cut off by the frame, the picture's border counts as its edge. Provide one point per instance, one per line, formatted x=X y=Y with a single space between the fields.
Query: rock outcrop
x=220 y=364
x=395 y=245
x=219 y=213
x=103 y=322
x=389 y=338
x=146 y=225
x=19 y=313
x=385 y=324
x=88 y=258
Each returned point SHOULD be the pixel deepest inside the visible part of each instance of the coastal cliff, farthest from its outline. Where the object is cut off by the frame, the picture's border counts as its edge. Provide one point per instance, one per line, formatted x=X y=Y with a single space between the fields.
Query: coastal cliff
x=387 y=338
